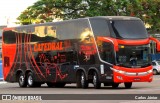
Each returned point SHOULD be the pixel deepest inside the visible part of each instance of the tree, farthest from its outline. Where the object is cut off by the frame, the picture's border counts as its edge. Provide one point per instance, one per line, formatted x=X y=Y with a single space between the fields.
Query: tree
x=100 y=8
x=48 y=10
x=151 y=14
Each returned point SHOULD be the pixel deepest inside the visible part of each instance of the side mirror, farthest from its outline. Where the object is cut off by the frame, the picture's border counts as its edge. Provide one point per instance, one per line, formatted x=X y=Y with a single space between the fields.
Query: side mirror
x=157 y=43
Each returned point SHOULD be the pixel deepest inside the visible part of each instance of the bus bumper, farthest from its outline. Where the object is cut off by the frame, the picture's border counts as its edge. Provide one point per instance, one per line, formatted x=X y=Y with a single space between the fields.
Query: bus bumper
x=121 y=75
x=120 y=78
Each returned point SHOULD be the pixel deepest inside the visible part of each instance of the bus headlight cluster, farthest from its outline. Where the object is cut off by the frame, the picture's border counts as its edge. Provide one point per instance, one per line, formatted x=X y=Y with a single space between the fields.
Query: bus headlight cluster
x=118 y=71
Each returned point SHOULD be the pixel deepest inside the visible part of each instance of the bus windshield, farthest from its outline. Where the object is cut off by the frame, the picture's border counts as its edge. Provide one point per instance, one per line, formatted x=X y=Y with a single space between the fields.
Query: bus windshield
x=133 y=56
x=128 y=29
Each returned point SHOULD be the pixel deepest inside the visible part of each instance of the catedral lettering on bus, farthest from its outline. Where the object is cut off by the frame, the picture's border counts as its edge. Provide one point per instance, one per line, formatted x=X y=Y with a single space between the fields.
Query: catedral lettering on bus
x=106 y=49
x=48 y=46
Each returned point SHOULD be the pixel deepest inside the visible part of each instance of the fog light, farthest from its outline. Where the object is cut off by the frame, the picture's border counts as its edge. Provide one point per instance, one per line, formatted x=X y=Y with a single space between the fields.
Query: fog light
x=119 y=77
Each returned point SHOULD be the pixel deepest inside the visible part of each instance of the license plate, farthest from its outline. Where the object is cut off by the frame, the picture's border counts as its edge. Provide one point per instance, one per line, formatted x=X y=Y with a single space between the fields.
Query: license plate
x=137 y=79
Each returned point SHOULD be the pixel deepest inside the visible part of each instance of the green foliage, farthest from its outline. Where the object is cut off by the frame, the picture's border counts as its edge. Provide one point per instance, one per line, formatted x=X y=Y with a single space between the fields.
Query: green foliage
x=48 y=10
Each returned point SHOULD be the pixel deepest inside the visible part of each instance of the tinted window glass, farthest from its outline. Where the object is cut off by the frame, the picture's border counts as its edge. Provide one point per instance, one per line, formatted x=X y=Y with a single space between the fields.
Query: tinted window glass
x=43 y=33
x=153 y=63
x=72 y=29
x=107 y=52
x=137 y=56
x=66 y=30
x=128 y=29
x=83 y=30
x=35 y=38
x=100 y=27
x=9 y=37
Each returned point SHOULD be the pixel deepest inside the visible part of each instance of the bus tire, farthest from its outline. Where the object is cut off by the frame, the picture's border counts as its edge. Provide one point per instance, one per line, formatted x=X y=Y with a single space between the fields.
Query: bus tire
x=128 y=85
x=96 y=81
x=22 y=80
x=83 y=80
x=30 y=80
x=115 y=85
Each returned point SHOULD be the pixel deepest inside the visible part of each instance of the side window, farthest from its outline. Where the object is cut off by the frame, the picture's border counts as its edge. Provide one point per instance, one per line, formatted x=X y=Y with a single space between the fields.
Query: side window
x=9 y=37
x=66 y=30
x=153 y=63
x=43 y=33
x=72 y=29
x=83 y=29
x=107 y=52
x=100 y=27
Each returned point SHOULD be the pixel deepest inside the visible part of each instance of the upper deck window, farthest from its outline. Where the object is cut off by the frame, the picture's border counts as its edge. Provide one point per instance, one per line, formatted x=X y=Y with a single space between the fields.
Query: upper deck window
x=128 y=29
x=9 y=37
x=100 y=27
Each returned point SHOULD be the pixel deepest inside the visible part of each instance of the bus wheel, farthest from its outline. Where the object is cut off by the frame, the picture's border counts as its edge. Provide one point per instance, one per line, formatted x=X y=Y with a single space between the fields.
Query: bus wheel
x=21 y=80
x=96 y=82
x=128 y=85
x=115 y=85
x=30 y=80
x=84 y=82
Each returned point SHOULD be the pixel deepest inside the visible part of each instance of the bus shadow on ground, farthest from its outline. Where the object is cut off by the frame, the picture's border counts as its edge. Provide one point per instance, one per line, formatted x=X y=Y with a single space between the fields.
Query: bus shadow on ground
x=74 y=87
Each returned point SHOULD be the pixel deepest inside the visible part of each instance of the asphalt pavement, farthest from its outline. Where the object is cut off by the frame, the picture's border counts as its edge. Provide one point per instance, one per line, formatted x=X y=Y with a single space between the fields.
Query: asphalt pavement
x=137 y=94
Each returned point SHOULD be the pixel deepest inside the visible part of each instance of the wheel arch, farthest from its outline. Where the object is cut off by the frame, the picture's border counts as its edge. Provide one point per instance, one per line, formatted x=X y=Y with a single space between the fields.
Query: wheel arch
x=92 y=70
x=79 y=70
x=21 y=71
x=18 y=72
x=28 y=71
x=154 y=69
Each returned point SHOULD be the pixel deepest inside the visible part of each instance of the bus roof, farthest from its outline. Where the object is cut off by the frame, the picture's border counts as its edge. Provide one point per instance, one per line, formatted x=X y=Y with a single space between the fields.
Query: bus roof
x=98 y=17
x=117 y=17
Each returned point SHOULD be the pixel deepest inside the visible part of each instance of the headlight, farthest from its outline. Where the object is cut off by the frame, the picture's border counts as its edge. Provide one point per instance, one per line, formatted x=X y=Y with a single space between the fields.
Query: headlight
x=118 y=71
x=150 y=71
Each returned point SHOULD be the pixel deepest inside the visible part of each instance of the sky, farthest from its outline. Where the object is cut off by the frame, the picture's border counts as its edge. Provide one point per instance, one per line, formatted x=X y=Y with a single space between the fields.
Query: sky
x=11 y=9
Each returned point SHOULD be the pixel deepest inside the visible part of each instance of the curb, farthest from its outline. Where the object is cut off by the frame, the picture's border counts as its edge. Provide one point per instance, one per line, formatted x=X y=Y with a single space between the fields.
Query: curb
x=2 y=82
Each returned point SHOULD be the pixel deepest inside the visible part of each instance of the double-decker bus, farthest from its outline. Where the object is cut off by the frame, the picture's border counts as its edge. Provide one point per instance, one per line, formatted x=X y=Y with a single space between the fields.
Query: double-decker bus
x=106 y=49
